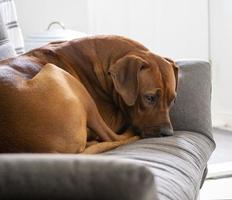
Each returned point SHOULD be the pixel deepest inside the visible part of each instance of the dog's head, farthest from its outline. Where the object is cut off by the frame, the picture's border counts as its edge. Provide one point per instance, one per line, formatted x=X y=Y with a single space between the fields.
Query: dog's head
x=147 y=83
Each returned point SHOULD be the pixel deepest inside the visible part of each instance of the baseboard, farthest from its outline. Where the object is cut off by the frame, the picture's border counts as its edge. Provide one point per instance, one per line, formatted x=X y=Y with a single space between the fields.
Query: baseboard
x=222 y=120
x=219 y=170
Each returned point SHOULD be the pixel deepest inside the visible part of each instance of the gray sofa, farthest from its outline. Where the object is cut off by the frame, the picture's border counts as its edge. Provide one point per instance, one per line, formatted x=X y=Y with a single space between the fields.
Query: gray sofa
x=171 y=168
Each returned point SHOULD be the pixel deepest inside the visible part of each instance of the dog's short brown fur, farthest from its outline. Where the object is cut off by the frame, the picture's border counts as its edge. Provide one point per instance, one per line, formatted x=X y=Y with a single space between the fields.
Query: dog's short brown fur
x=111 y=85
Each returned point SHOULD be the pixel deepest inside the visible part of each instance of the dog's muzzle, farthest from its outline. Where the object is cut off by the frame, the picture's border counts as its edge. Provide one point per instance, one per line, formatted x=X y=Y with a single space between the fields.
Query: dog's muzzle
x=154 y=131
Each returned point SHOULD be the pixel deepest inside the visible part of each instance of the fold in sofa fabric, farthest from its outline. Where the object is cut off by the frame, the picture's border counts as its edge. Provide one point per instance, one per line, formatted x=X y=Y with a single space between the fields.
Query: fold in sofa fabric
x=9 y=18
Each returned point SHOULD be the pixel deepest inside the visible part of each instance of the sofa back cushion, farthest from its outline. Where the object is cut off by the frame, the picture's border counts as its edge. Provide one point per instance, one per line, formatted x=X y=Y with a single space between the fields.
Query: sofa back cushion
x=192 y=110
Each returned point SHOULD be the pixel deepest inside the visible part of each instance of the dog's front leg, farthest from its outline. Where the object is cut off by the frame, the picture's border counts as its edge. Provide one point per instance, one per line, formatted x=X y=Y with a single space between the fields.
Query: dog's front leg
x=106 y=146
x=129 y=133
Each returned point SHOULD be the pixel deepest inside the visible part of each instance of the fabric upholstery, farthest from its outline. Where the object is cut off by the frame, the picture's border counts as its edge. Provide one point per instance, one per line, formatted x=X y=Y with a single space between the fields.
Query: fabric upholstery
x=73 y=177
x=177 y=162
x=192 y=110
x=10 y=20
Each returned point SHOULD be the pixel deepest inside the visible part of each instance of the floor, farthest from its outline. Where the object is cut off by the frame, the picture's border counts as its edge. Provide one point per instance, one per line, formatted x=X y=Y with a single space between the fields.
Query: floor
x=223 y=152
x=219 y=163
x=217 y=189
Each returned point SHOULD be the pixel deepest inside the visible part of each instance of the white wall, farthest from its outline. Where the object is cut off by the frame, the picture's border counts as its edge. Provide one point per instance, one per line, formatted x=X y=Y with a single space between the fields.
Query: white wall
x=170 y=28
x=35 y=15
x=177 y=29
x=221 y=39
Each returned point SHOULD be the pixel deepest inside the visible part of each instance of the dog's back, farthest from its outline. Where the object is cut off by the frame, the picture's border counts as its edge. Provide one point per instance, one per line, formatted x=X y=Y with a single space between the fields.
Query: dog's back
x=32 y=110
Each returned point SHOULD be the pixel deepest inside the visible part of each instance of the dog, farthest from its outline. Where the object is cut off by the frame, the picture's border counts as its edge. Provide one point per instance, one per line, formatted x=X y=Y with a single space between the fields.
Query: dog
x=55 y=98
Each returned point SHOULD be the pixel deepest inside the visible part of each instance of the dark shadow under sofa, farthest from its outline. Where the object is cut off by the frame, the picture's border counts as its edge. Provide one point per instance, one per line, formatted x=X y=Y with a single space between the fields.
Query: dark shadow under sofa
x=171 y=168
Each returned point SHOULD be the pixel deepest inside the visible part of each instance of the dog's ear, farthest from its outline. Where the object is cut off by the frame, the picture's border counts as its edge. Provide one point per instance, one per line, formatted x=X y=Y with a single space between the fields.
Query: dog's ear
x=175 y=69
x=125 y=76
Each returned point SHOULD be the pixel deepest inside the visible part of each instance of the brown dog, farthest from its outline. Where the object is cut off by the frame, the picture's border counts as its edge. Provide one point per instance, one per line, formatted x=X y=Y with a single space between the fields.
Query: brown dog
x=110 y=84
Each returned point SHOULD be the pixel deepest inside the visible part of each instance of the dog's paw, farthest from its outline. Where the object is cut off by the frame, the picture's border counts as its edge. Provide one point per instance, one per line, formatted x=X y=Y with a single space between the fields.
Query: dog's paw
x=127 y=135
x=132 y=139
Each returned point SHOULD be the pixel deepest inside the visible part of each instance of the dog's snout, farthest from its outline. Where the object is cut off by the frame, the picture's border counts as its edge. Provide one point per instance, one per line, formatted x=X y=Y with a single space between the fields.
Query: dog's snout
x=166 y=132
x=157 y=132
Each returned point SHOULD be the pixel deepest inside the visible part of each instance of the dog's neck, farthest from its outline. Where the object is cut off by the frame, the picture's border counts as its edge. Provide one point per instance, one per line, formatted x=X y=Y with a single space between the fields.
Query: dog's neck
x=110 y=104
x=112 y=108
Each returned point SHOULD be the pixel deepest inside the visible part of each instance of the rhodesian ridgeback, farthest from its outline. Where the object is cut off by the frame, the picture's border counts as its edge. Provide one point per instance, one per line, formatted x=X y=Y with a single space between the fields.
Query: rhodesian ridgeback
x=56 y=98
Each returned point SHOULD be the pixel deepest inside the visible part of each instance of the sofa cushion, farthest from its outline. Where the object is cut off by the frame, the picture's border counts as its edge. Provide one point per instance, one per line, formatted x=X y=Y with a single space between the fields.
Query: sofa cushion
x=41 y=176
x=177 y=162
x=169 y=168
x=192 y=110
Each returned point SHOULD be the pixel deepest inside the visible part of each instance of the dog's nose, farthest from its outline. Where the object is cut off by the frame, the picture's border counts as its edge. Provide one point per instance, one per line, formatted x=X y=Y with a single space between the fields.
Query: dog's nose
x=164 y=132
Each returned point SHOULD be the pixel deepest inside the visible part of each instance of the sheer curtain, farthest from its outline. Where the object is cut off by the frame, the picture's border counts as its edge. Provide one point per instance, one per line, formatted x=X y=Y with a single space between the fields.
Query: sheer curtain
x=9 y=17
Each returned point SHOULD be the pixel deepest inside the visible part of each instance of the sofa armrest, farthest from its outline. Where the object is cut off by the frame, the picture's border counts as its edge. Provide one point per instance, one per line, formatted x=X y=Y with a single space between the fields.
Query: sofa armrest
x=43 y=176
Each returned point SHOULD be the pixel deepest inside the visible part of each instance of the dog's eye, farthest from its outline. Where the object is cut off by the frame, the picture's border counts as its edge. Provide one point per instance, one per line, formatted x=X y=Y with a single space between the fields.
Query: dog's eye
x=144 y=66
x=173 y=102
x=151 y=98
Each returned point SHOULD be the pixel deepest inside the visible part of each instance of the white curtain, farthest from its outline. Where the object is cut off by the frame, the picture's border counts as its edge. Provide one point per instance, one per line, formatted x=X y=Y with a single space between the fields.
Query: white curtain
x=9 y=17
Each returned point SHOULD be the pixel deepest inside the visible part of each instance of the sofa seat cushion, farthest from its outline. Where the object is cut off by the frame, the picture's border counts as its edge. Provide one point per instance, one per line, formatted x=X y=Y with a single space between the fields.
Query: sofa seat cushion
x=177 y=162
x=148 y=169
